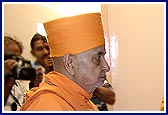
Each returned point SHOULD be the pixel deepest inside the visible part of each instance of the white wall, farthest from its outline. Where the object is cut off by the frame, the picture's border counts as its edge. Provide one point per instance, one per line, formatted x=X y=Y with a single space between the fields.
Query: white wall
x=139 y=84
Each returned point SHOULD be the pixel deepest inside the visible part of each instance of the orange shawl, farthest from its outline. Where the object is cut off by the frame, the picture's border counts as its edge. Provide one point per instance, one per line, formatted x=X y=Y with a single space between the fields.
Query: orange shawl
x=58 y=93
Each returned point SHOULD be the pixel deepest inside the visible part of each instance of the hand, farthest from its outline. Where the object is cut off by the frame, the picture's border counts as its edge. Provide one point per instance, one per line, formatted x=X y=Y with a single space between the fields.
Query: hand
x=48 y=65
x=39 y=76
x=9 y=65
x=106 y=95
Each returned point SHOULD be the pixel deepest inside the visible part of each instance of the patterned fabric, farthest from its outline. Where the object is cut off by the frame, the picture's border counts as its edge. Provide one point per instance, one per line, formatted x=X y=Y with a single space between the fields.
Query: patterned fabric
x=17 y=96
x=100 y=104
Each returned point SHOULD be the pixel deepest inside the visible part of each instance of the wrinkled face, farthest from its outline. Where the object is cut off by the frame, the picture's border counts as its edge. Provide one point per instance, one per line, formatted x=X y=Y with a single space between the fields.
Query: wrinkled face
x=40 y=51
x=91 y=68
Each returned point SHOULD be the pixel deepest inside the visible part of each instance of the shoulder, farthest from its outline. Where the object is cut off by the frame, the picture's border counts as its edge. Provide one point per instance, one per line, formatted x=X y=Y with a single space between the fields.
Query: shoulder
x=43 y=101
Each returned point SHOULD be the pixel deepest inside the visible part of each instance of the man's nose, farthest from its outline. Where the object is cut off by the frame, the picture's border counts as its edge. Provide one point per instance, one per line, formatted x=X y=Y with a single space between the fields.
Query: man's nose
x=106 y=67
x=46 y=51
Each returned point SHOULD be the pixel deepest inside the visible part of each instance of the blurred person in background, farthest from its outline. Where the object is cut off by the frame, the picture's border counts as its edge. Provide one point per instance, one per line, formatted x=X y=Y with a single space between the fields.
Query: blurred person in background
x=40 y=51
x=14 y=90
x=18 y=72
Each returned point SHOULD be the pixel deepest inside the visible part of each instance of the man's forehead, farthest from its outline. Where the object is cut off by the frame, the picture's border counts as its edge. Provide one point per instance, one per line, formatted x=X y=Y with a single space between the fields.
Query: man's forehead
x=40 y=42
x=98 y=50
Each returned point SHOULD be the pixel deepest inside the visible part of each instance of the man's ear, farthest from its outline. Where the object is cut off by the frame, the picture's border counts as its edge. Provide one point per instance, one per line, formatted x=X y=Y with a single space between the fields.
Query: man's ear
x=32 y=52
x=68 y=63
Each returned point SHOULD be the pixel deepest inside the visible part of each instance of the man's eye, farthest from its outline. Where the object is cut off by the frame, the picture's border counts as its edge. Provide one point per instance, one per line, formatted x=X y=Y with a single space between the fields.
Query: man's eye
x=47 y=47
x=39 y=49
x=98 y=57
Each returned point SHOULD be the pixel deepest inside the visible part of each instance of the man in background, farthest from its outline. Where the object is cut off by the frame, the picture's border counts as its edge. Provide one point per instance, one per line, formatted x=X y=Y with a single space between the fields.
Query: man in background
x=14 y=90
x=40 y=51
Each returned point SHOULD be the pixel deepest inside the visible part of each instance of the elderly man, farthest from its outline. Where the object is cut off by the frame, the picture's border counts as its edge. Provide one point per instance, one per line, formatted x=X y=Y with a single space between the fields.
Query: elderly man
x=77 y=49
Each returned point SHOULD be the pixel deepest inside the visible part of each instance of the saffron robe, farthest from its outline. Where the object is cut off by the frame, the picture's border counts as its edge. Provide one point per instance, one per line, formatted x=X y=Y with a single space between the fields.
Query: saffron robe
x=58 y=93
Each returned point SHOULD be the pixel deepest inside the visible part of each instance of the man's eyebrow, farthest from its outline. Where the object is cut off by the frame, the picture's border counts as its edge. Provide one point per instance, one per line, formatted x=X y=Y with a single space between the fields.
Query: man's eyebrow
x=101 y=53
x=38 y=47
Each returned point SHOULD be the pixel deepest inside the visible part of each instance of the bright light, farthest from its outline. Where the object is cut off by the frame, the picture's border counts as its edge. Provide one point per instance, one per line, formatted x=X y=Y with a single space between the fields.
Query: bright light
x=72 y=9
x=40 y=29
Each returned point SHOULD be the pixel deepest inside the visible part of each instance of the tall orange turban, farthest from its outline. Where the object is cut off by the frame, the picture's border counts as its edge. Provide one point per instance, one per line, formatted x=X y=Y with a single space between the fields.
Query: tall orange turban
x=74 y=34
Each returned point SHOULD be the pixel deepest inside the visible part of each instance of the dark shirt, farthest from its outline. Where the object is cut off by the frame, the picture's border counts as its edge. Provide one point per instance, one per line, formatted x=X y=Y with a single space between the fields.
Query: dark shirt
x=100 y=104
